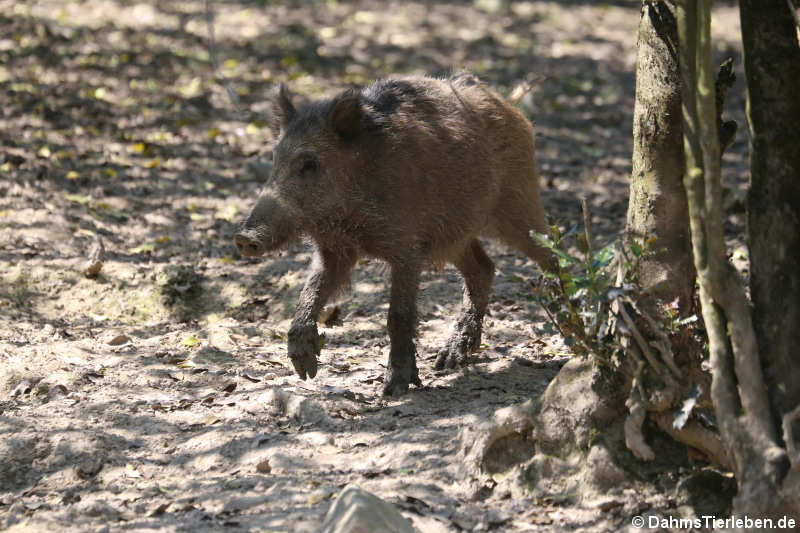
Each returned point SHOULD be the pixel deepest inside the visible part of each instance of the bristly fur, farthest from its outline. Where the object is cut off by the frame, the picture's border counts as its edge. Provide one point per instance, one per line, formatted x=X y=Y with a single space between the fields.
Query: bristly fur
x=410 y=171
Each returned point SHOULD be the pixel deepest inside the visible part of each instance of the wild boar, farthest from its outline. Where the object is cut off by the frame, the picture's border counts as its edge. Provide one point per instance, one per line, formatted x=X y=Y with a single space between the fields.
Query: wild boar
x=410 y=171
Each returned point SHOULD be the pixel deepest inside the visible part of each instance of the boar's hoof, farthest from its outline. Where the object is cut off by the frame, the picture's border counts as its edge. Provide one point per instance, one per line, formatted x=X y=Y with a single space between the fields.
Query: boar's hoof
x=464 y=340
x=398 y=379
x=305 y=365
x=303 y=349
x=447 y=358
x=454 y=355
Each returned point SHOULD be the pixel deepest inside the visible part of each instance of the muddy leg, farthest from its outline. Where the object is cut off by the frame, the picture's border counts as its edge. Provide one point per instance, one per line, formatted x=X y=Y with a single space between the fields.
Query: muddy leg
x=330 y=271
x=402 y=321
x=478 y=271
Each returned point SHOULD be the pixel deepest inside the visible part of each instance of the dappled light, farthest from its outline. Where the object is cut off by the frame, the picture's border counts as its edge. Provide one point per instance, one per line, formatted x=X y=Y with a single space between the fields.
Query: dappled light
x=155 y=392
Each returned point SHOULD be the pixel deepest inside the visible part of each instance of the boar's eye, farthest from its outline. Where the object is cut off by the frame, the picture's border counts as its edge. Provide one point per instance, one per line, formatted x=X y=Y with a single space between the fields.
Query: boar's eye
x=308 y=166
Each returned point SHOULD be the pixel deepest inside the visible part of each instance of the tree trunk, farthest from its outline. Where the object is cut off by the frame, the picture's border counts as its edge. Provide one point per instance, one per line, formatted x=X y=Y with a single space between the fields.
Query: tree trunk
x=657 y=204
x=772 y=70
x=767 y=486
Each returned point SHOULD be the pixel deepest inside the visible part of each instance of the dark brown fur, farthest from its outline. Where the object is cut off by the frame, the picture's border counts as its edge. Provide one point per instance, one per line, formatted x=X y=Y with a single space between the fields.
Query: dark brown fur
x=408 y=170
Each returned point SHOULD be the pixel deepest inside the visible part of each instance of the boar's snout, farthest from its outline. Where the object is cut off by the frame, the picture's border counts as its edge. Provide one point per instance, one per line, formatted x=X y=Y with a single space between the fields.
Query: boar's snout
x=248 y=243
x=268 y=227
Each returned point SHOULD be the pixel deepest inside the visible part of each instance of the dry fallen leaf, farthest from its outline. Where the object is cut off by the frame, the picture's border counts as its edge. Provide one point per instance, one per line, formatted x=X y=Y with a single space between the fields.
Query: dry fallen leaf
x=118 y=340
x=263 y=467
x=159 y=509
x=132 y=472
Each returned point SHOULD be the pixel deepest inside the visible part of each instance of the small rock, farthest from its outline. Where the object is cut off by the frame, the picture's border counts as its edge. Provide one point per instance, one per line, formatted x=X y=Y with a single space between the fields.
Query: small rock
x=358 y=511
x=603 y=472
x=299 y=408
x=99 y=509
x=498 y=444
x=90 y=467
x=24 y=387
x=92 y=269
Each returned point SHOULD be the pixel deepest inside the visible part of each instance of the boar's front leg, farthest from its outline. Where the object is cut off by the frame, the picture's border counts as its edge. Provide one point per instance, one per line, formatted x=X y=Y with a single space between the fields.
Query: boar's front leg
x=402 y=322
x=478 y=271
x=330 y=271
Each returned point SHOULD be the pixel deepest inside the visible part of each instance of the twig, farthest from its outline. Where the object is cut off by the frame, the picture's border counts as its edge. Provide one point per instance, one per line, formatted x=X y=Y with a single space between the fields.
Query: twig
x=662 y=343
x=96 y=256
x=666 y=355
x=643 y=345
x=602 y=310
x=519 y=92
x=794 y=13
x=553 y=320
x=587 y=226
x=212 y=52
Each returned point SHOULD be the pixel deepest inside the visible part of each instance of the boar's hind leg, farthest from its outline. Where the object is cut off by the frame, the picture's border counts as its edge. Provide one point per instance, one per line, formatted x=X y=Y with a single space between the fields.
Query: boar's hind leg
x=402 y=322
x=478 y=271
x=513 y=222
x=330 y=271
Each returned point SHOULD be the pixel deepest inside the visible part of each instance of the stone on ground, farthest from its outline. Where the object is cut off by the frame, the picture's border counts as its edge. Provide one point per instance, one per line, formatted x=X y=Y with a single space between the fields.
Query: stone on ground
x=358 y=511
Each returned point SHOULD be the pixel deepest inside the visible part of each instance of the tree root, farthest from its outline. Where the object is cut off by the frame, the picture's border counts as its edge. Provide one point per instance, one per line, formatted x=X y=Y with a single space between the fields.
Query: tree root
x=693 y=434
x=637 y=412
x=792 y=448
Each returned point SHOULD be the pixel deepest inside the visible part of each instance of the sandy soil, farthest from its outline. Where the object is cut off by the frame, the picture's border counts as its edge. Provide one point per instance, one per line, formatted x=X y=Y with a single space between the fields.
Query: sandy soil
x=158 y=396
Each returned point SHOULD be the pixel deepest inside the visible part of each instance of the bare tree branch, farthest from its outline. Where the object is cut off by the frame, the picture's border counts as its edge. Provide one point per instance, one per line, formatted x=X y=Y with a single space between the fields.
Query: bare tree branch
x=212 y=52
x=793 y=10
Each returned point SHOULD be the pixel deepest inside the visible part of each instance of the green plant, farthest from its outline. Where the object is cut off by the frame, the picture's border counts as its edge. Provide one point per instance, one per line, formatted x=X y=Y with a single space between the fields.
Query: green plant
x=595 y=301
x=577 y=294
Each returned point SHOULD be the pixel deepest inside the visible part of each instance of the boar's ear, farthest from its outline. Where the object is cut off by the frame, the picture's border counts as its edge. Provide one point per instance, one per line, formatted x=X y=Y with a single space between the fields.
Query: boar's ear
x=283 y=110
x=346 y=116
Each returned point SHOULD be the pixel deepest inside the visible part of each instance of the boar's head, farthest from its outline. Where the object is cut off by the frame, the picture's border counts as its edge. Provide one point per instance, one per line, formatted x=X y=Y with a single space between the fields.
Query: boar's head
x=310 y=188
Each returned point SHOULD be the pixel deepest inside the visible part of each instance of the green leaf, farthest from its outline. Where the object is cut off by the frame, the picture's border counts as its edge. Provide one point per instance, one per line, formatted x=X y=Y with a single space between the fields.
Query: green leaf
x=190 y=341
x=570 y=288
x=564 y=258
x=542 y=239
x=78 y=199
x=602 y=258
x=143 y=249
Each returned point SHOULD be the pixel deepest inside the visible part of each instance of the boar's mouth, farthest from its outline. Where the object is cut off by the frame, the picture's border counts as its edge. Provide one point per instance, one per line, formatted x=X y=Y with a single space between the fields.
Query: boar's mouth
x=253 y=242
x=249 y=242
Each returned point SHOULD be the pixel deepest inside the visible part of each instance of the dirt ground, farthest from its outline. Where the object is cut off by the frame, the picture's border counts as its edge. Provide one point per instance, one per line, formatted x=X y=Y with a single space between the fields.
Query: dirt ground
x=158 y=395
